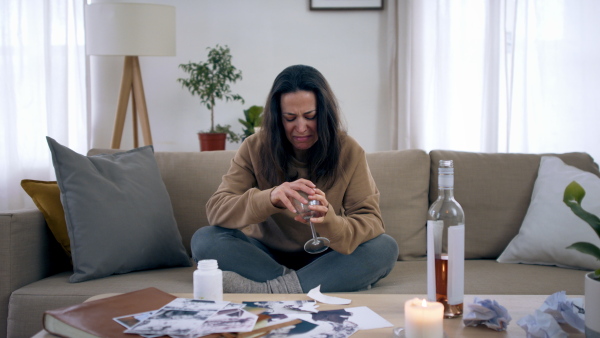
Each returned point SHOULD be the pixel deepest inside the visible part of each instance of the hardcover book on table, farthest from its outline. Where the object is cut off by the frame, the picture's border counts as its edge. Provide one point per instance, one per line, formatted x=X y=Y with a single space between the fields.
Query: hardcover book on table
x=95 y=318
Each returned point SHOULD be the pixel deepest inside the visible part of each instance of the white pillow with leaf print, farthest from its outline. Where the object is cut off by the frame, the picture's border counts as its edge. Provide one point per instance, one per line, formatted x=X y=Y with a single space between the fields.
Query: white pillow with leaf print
x=550 y=226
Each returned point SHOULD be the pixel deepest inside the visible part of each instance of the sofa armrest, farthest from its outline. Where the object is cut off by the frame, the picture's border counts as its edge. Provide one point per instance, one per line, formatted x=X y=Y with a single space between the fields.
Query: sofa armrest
x=28 y=251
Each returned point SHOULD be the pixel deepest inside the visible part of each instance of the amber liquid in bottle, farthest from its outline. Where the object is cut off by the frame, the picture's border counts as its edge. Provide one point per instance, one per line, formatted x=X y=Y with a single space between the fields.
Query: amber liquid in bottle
x=447 y=225
x=441 y=288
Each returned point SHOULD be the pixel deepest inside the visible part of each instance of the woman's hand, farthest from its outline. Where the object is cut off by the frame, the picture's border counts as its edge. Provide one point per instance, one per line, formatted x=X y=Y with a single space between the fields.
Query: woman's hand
x=283 y=194
x=320 y=209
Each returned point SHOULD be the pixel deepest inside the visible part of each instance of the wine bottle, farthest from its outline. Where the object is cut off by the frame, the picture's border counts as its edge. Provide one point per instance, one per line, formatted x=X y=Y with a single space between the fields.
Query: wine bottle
x=446 y=245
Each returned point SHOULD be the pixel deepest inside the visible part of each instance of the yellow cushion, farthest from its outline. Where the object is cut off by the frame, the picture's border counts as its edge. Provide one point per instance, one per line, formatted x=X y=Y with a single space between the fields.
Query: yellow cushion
x=46 y=196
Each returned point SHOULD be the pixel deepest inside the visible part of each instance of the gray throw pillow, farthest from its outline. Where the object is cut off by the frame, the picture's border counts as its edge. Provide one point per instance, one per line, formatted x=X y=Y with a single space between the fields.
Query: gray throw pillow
x=118 y=212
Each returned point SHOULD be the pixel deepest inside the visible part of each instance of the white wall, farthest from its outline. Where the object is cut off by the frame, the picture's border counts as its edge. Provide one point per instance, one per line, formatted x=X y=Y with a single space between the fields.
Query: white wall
x=264 y=36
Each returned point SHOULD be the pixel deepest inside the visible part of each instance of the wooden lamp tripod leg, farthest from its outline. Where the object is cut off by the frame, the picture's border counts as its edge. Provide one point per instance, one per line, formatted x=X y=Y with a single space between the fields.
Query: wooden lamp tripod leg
x=131 y=82
x=140 y=100
x=126 y=82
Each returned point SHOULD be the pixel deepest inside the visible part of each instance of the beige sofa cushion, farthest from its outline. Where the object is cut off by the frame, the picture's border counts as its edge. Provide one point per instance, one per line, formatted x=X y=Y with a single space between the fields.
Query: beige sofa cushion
x=402 y=178
x=494 y=191
x=191 y=179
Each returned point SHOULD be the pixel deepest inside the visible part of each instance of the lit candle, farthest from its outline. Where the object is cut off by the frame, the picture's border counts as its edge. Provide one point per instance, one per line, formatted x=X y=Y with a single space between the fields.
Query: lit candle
x=423 y=319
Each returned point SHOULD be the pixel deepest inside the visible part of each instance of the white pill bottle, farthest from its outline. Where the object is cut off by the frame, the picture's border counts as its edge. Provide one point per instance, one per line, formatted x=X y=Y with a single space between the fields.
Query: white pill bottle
x=208 y=281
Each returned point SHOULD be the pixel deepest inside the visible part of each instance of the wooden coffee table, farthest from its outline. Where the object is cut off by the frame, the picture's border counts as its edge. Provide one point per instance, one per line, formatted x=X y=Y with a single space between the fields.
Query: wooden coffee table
x=391 y=307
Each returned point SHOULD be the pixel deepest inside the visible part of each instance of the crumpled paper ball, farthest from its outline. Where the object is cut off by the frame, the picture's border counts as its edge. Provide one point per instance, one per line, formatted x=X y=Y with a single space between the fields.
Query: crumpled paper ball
x=565 y=310
x=557 y=308
x=487 y=312
x=541 y=325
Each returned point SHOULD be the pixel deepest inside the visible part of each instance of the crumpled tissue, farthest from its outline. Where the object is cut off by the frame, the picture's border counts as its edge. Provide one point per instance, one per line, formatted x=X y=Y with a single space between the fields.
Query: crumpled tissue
x=557 y=308
x=487 y=312
x=541 y=325
x=565 y=310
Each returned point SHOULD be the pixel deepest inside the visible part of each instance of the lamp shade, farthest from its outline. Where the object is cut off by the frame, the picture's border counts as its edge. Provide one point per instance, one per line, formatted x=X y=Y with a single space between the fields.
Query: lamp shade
x=130 y=29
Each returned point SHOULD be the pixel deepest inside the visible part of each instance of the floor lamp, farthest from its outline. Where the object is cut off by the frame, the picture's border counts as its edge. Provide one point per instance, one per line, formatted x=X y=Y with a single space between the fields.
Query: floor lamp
x=130 y=30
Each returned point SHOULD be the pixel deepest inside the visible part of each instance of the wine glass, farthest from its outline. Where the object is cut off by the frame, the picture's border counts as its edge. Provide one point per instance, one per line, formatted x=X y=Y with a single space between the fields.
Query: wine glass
x=316 y=244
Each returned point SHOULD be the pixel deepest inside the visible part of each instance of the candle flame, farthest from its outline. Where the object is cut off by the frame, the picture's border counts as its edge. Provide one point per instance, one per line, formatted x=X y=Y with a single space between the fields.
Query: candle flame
x=424 y=303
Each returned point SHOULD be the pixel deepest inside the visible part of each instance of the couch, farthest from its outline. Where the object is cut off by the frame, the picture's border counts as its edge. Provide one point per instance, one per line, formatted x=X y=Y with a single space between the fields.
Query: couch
x=494 y=190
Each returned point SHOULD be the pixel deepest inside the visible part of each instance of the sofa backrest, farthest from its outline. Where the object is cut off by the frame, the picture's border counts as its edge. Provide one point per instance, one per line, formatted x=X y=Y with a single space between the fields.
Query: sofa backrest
x=191 y=178
x=495 y=191
x=402 y=178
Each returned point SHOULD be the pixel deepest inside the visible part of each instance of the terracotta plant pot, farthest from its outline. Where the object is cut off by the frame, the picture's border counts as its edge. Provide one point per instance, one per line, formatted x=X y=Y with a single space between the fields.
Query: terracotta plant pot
x=212 y=141
x=592 y=306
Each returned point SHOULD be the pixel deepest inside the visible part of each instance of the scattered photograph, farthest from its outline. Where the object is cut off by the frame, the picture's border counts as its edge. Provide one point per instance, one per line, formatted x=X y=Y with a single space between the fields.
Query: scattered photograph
x=331 y=324
x=367 y=319
x=228 y=320
x=132 y=320
x=302 y=329
x=180 y=317
x=188 y=318
x=282 y=307
x=323 y=326
x=339 y=323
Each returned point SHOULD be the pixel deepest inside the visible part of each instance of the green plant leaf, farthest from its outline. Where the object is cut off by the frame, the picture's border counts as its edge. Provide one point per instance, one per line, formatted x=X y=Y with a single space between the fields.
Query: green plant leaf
x=573 y=196
x=253 y=117
x=574 y=193
x=245 y=124
x=586 y=248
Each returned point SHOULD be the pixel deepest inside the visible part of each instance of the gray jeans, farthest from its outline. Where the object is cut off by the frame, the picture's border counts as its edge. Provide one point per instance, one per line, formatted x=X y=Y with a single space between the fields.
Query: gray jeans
x=335 y=272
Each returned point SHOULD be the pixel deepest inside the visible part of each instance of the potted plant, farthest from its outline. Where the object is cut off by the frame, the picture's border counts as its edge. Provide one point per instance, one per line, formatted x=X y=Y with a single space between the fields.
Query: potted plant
x=573 y=196
x=211 y=81
x=252 y=121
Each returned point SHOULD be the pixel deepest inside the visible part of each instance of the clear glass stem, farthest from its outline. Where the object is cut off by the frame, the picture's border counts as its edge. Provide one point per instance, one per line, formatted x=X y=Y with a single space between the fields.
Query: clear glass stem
x=314 y=233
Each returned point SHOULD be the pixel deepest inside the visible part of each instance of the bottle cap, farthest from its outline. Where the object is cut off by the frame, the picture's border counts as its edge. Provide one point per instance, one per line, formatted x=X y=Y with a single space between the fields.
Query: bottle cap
x=208 y=264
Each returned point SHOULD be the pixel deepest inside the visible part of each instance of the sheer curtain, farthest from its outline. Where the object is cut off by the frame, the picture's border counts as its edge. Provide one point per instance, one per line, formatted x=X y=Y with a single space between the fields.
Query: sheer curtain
x=42 y=90
x=495 y=76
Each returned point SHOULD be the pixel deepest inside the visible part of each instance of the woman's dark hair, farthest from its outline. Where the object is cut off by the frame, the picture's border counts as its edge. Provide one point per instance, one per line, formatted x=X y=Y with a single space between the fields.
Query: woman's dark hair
x=276 y=151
